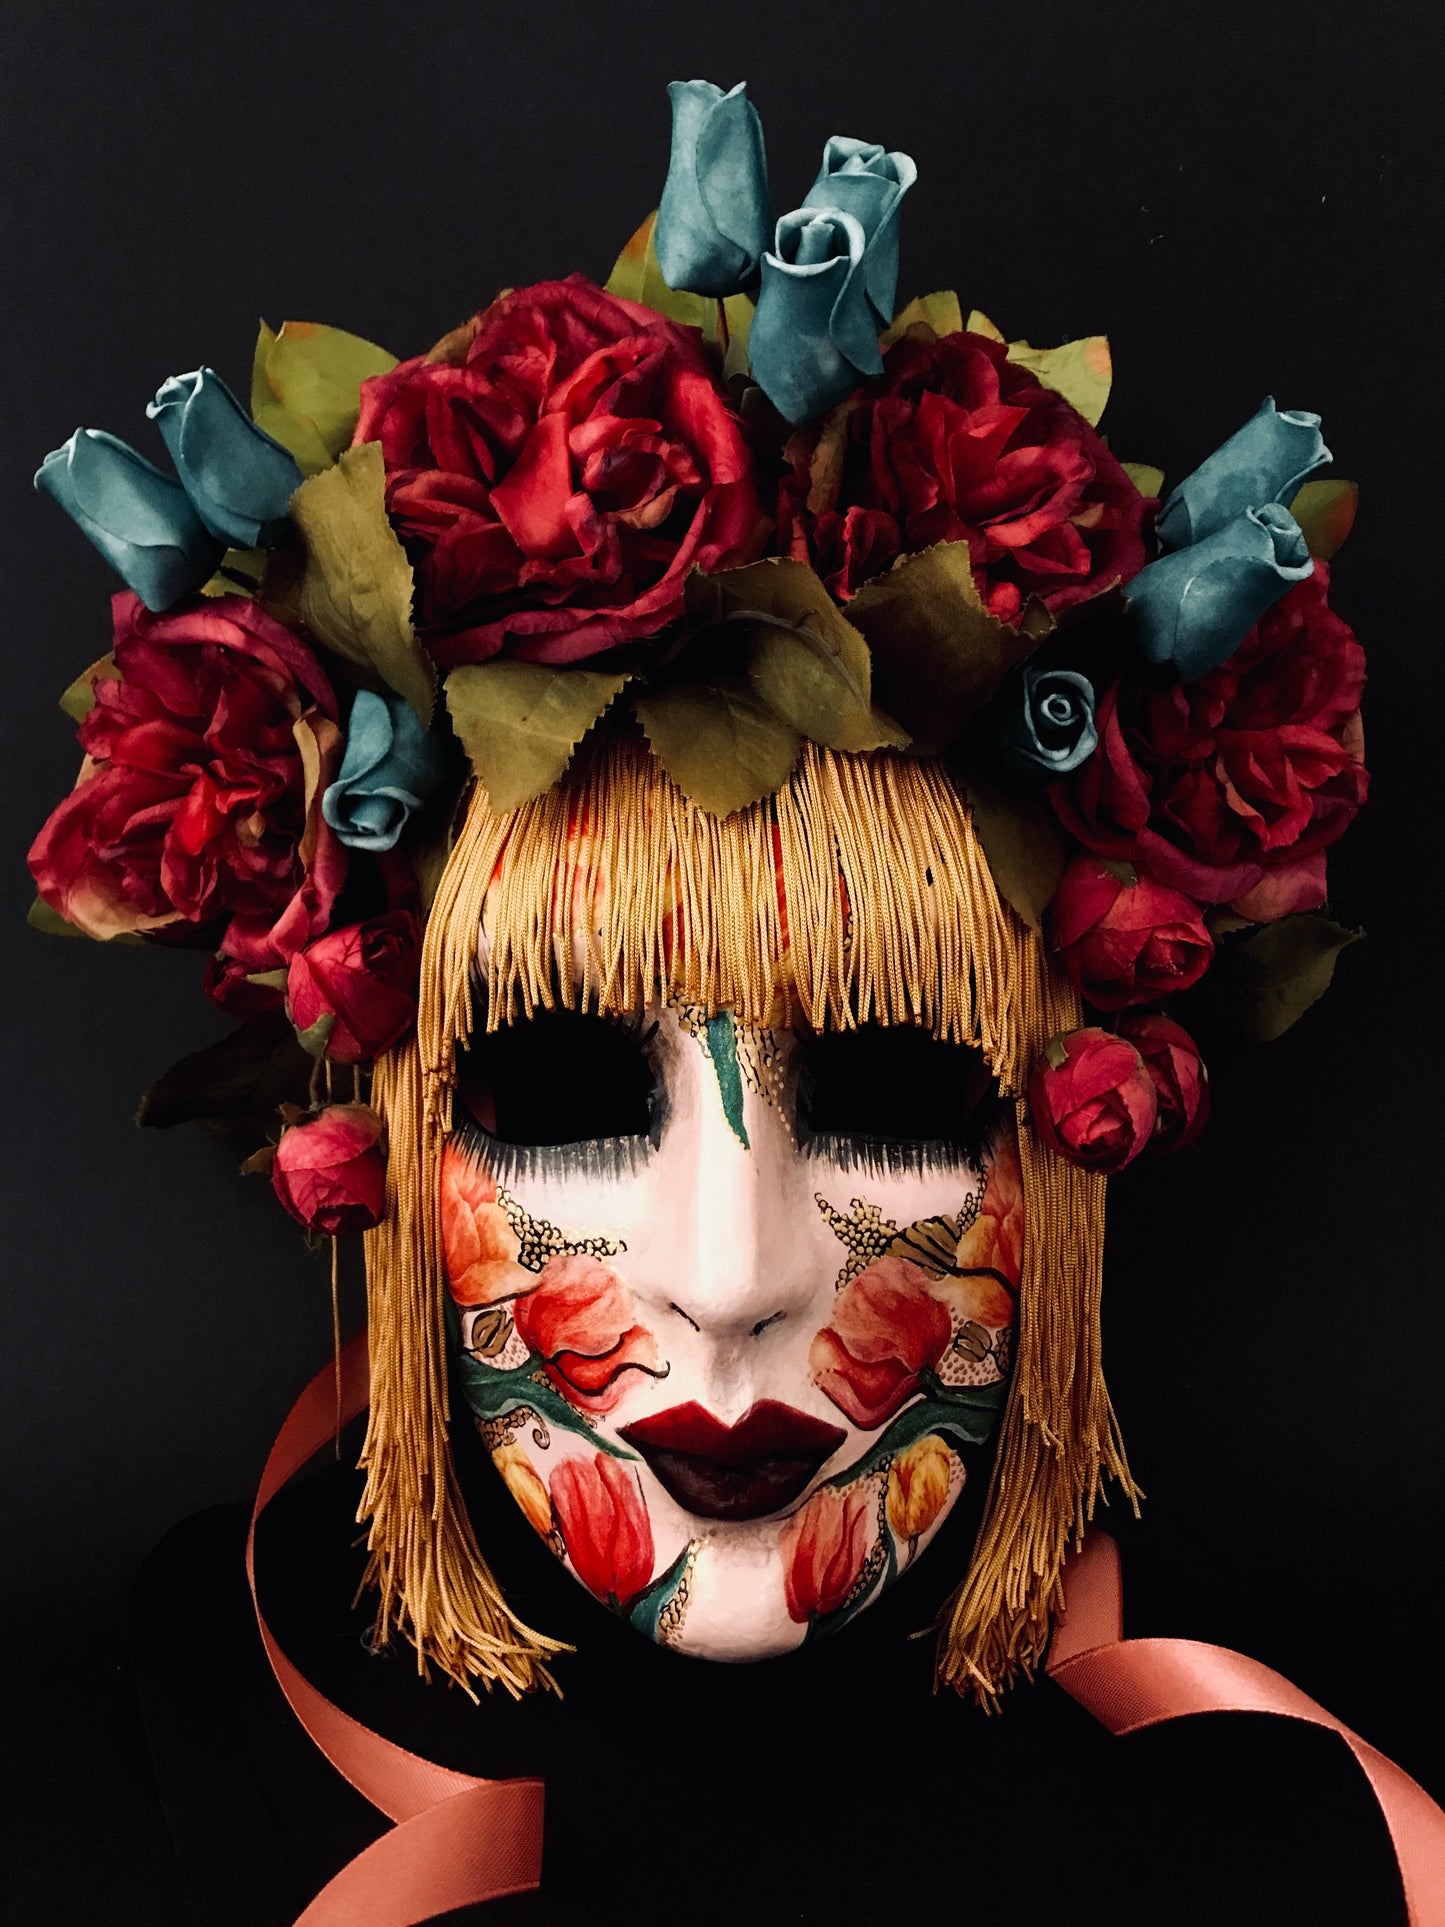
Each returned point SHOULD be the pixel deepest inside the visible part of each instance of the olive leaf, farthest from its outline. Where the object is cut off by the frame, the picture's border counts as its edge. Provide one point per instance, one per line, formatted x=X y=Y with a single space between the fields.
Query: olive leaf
x=306 y=388
x=1262 y=982
x=1081 y=371
x=938 y=655
x=519 y=722
x=636 y=276
x=249 y=1072
x=1146 y=478
x=719 y=742
x=737 y=312
x=49 y=922
x=354 y=591
x=239 y=572
x=1022 y=843
x=1325 y=512
x=79 y=699
x=940 y=310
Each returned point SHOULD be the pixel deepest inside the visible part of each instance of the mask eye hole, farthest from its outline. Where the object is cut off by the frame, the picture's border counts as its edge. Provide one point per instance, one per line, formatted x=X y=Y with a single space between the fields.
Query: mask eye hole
x=559 y=1077
x=894 y=1084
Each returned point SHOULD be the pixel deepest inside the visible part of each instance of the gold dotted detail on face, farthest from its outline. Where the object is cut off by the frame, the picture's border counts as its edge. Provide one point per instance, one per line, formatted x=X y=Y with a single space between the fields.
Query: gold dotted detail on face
x=878 y=1551
x=763 y=1062
x=541 y=1241
x=865 y=1231
x=670 y=1619
x=497 y=1432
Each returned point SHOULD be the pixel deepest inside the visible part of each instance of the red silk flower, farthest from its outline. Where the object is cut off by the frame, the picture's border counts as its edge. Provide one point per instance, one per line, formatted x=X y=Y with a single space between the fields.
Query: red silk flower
x=600 y=1510
x=1096 y=1105
x=579 y=1319
x=953 y=442
x=1125 y=943
x=886 y=1330
x=1181 y=1083
x=330 y=1172
x=556 y=468
x=365 y=977
x=824 y=1546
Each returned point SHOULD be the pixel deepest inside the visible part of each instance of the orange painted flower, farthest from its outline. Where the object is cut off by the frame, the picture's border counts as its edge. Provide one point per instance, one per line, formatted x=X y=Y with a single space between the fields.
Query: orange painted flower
x=478 y=1243
x=823 y=1547
x=579 y=1320
x=886 y=1330
x=918 y=1486
x=524 y=1482
x=603 y=1520
x=990 y=1255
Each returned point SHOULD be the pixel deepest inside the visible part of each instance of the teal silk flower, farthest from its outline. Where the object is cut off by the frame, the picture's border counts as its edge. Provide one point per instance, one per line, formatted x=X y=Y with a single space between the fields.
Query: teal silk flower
x=813 y=337
x=860 y=179
x=238 y=478
x=141 y=520
x=1265 y=461
x=712 y=225
x=1051 y=729
x=392 y=764
x=1195 y=607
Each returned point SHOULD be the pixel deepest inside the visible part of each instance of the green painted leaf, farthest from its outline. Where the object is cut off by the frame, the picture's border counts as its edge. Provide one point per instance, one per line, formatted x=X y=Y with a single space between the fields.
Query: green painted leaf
x=520 y=722
x=1326 y=513
x=938 y=655
x=1022 y=841
x=248 y=1073
x=718 y=742
x=941 y=311
x=1264 y=980
x=1146 y=478
x=722 y=1048
x=79 y=698
x=306 y=388
x=355 y=589
x=646 y=1610
x=492 y=1394
x=964 y=1412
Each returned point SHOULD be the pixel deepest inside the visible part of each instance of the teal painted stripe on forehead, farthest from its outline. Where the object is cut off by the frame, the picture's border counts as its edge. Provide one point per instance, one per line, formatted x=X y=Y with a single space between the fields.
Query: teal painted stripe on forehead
x=721 y=1038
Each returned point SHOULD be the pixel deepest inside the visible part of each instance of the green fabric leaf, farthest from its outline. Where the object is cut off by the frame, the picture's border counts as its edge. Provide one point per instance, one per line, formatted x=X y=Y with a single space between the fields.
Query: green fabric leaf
x=738 y=317
x=1262 y=982
x=306 y=388
x=355 y=589
x=938 y=655
x=247 y=1074
x=1081 y=371
x=519 y=722
x=1022 y=843
x=239 y=572
x=636 y=276
x=49 y=922
x=1326 y=513
x=1145 y=477
x=79 y=699
x=941 y=311
x=718 y=742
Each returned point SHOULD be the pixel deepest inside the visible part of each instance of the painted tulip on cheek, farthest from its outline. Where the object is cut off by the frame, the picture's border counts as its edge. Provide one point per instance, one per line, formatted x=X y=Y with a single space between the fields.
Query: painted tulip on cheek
x=1181 y=1083
x=917 y=1487
x=579 y=1320
x=1122 y=939
x=824 y=1547
x=887 y=1329
x=1092 y=1100
x=330 y=1173
x=524 y=1482
x=603 y=1519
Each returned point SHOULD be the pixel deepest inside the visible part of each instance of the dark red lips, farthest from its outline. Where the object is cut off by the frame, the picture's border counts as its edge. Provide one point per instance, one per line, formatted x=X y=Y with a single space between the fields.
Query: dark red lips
x=741 y=1471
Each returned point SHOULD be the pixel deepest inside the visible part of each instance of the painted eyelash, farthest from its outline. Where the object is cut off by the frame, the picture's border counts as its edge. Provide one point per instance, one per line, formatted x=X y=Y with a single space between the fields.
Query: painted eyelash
x=909 y=1157
x=510 y=1164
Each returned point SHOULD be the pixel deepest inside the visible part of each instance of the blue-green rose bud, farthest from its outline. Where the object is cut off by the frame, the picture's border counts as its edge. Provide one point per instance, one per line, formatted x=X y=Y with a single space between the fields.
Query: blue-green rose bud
x=1051 y=729
x=238 y=478
x=813 y=337
x=1195 y=607
x=859 y=178
x=141 y=520
x=1265 y=461
x=712 y=225
x=391 y=765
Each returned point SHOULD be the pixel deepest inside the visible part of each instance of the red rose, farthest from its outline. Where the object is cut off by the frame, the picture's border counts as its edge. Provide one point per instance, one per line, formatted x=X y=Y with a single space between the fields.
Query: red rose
x=1092 y=1100
x=579 y=1320
x=824 y=1546
x=954 y=443
x=1231 y=788
x=366 y=977
x=602 y=1516
x=198 y=802
x=330 y=1173
x=885 y=1332
x=1125 y=943
x=557 y=474
x=1181 y=1083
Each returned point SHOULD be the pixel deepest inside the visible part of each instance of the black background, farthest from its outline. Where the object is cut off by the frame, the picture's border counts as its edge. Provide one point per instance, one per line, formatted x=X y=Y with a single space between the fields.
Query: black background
x=1247 y=198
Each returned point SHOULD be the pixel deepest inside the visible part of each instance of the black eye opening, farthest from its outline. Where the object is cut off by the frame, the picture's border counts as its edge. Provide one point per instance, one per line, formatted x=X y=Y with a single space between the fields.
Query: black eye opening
x=895 y=1087
x=560 y=1077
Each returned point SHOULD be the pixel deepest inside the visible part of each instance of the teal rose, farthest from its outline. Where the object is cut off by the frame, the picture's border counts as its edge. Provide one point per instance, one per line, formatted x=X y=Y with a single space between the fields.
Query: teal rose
x=712 y=225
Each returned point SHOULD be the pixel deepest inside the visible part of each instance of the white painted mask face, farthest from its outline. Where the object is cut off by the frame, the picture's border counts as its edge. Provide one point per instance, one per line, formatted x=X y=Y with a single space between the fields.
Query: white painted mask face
x=735 y=1307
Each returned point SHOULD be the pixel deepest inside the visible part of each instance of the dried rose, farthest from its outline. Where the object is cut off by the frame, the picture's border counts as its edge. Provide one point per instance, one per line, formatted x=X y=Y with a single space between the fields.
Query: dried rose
x=1092 y=1100
x=1123 y=939
x=365 y=976
x=330 y=1172
x=1181 y=1083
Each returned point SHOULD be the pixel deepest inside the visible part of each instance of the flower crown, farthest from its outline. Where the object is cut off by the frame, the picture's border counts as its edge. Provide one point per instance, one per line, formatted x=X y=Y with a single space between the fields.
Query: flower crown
x=734 y=500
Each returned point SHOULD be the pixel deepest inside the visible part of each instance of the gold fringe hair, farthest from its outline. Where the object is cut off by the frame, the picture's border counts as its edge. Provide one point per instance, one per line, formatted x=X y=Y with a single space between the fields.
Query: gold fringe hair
x=612 y=890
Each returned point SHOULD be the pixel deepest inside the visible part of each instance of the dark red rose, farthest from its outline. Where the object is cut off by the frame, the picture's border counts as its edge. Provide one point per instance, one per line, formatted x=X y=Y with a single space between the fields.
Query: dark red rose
x=886 y=1330
x=1181 y=1083
x=365 y=976
x=1125 y=943
x=199 y=799
x=1231 y=788
x=555 y=468
x=1092 y=1100
x=330 y=1173
x=600 y=1510
x=954 y=443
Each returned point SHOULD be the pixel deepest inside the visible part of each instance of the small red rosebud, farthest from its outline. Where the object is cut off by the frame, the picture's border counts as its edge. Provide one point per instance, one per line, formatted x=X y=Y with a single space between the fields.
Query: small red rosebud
x=1181 y=1083
x=1125 y=941
x=330 y=1173
x=364 y=977
x=1092 y=1100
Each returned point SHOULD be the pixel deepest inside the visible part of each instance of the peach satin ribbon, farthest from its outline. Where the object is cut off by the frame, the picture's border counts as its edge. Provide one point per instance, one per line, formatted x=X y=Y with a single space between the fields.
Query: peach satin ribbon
x=459 y=1840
